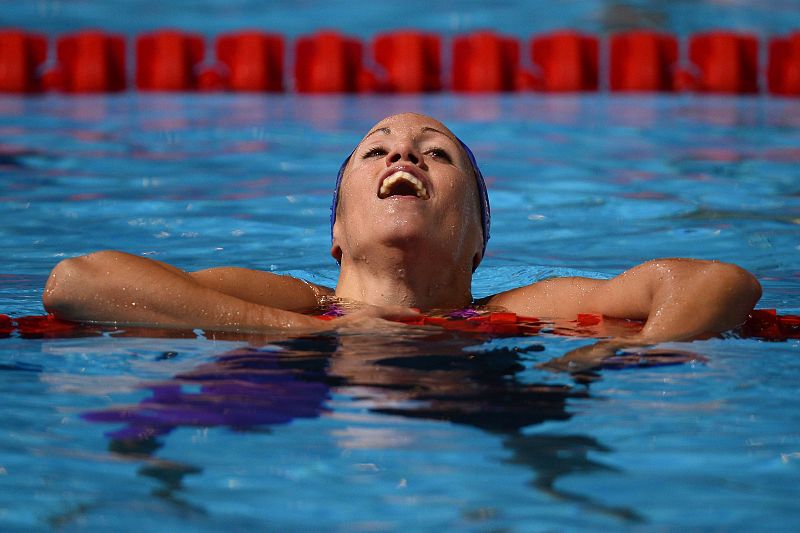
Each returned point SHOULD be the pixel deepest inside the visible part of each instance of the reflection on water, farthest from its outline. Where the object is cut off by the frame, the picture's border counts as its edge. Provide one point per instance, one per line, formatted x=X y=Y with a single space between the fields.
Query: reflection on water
x=446 y=376
x=591 y=182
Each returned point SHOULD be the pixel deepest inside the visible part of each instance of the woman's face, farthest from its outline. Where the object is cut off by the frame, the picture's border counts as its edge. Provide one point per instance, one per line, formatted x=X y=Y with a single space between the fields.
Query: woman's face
x=409 y=183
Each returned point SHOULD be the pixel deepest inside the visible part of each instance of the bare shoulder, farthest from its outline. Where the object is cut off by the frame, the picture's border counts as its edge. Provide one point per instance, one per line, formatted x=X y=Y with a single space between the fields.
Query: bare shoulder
x=264 y=288
x=630 y=294
x=554 y=297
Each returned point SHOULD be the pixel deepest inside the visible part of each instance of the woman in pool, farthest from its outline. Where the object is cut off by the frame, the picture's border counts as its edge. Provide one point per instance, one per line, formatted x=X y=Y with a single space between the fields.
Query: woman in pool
x=409 y=226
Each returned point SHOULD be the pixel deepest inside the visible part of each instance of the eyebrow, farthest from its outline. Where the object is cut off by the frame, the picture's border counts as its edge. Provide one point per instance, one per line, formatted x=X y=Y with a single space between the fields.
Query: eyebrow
x=426 y=129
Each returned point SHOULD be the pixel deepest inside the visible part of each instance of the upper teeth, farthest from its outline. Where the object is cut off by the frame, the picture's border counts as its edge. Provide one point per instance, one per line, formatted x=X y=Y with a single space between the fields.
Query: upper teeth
x=386 y=186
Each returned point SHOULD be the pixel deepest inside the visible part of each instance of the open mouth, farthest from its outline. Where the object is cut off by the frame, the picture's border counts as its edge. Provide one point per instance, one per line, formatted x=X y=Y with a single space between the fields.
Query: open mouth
x=402 y=183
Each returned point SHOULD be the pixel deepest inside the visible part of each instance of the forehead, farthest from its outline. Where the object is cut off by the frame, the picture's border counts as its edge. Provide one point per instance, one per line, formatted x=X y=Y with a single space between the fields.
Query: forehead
x=410 y=124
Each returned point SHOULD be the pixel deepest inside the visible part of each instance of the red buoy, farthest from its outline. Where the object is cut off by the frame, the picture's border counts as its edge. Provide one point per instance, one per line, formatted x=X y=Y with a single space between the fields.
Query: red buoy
x=254 y=60
x=727 y=62
x=783 y=72
x=486 y=62
x=167 y=61
x=763 y=324
x=568 y=61
x=6 y=326
x=210 y=78
x=329 y=62
x=768 y=324
x=46 y=326
x=412 y=61
x=21 y=54
x=643 y=61
x=91 y=61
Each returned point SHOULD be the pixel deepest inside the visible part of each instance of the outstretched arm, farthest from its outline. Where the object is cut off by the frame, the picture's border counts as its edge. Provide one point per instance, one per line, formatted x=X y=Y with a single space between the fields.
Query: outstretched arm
x=120 y=288
x=680 y=299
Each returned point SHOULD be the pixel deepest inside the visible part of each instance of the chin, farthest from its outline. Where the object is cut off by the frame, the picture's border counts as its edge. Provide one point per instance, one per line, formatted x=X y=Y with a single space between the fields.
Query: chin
x=402 y=239
x=401 y=228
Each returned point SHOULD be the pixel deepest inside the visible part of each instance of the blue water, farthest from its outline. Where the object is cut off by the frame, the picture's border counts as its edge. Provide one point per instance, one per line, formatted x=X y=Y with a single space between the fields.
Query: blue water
x=516 y=17
x=400 y=431
x=130 y=430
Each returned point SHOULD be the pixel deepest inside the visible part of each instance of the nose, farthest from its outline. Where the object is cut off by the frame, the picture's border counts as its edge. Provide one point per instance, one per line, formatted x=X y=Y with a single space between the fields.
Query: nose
x=404 y=151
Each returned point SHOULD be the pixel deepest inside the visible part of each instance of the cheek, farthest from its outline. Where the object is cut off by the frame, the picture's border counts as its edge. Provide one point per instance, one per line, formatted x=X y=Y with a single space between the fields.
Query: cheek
x=357 y=183
x=353 y=209
x=465 y=221
x=460 y=199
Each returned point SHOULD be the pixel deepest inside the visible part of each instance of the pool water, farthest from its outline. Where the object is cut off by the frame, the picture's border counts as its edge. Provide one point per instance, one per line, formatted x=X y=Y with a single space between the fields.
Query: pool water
x=411 y=429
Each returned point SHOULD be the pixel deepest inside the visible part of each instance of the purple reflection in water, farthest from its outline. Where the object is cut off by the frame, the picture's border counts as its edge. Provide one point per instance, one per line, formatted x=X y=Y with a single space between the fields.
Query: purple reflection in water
x=243 y=389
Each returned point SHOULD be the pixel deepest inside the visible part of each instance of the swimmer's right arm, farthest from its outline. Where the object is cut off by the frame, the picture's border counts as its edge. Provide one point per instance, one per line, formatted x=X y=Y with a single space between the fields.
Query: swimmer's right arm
x=120 y=288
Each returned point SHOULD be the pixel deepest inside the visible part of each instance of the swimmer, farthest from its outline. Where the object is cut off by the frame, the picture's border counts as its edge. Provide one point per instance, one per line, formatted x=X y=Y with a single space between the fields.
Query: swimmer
x=410 y=222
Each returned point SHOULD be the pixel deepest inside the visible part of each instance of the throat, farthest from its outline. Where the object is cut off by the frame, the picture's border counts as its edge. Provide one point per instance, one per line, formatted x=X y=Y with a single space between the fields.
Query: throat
x=405 y=285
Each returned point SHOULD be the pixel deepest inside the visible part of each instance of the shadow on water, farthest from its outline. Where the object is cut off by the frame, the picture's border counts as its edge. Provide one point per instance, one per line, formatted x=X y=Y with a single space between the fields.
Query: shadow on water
x=447 y=376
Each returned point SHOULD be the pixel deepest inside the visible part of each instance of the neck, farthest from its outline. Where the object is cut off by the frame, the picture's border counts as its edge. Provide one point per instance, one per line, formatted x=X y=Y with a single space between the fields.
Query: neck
x=409 y=280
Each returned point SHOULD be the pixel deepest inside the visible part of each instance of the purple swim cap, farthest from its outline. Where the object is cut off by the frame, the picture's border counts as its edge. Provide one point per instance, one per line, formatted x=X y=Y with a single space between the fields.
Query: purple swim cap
x=483 y=195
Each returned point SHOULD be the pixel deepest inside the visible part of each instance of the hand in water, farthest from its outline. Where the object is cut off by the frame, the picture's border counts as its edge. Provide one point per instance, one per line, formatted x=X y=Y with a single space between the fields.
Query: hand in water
x=377 y=315
x=618 y=353
x=371 y=318
x=584 y=358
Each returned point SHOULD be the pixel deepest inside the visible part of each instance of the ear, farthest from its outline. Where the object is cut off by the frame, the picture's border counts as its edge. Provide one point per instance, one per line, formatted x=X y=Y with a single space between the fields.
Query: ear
x=336 y=250
x=476 y=260
x=336 y=253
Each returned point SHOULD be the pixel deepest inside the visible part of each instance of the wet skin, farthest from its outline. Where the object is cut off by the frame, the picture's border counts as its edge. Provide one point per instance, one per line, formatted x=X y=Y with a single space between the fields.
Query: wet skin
x=385 y=245
x=397 y=251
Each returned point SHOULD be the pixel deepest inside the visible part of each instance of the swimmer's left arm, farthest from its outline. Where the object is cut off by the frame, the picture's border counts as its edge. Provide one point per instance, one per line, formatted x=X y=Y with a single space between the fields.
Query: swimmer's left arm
x=680 y=299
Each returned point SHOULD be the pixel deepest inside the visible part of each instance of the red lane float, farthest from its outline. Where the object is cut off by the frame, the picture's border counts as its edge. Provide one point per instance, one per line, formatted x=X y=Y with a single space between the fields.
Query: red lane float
x=505 y=324
x=726 y=62
x=254 y=61
x=6 y=326
x=412 y=61
x=90 y=62
x=767 y=324
x=44 y=326
x=21 y=54
x=568 y=61
x=783 y=72
x=329 y=62
x=643 y=61
x=488 y=62
x=168 y=61
x=763 y=324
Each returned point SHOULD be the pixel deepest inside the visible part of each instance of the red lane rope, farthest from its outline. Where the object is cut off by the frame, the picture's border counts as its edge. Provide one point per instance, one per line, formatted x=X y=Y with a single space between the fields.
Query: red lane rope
x=763 y=324
x=403 y=61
